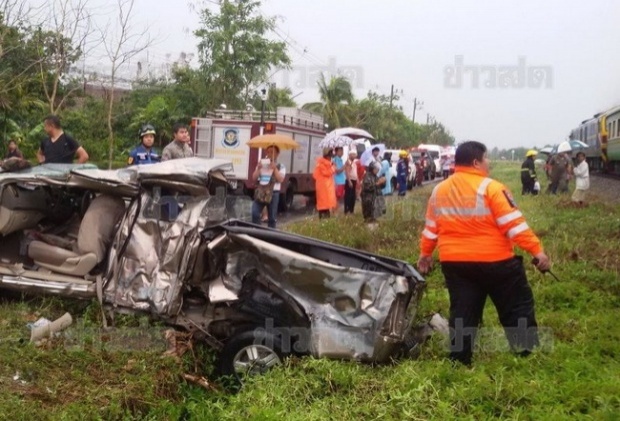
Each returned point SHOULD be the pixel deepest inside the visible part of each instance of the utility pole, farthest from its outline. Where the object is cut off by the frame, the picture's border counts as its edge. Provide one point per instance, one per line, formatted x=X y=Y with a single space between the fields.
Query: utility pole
x=263 y=99
x=416 y=104
x=391 y=96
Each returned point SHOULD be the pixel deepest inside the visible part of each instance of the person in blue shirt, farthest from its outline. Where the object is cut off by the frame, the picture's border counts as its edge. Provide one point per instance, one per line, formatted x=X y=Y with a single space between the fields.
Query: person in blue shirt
x=402 y=172
x=340 y=177
x=386 y=171
x=144 y=153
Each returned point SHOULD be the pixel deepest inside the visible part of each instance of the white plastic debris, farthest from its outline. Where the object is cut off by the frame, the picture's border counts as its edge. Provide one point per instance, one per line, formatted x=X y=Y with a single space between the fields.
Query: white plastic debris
x=440 y=324
x=43 y=328
x=39 y=323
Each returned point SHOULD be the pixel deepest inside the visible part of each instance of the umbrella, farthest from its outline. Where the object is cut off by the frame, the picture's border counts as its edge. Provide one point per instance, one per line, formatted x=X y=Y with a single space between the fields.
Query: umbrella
x=547 y=150
x=577 y=144
x=335 y=141
x=563 y=147
x=351 y=132
x=367 y=157
x=266 y=140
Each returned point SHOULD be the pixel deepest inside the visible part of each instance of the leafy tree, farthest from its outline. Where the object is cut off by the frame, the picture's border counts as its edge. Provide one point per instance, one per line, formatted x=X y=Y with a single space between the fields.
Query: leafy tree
x=334 y=95
x=276 y=97
x=235 y=52
x=20 y=91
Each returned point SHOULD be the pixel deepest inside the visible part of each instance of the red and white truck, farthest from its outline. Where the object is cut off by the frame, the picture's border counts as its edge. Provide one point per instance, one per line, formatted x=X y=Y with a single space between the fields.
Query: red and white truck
x=225 y=133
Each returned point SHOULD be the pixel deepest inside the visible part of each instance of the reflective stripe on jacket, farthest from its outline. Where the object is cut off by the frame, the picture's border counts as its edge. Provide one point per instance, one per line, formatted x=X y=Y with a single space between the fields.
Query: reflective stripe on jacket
x=528 y=170
x=472 y=218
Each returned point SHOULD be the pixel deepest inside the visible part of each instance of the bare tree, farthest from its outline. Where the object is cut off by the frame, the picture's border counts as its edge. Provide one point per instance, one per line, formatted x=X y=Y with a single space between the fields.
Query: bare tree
x=121 y=44
x=68 y=39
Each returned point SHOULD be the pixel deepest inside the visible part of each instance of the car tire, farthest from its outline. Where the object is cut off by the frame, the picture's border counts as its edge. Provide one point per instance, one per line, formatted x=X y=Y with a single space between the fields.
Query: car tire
x=248 y=353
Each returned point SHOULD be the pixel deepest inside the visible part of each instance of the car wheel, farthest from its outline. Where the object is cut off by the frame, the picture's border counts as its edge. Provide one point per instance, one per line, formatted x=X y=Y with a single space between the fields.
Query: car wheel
x=250 y=353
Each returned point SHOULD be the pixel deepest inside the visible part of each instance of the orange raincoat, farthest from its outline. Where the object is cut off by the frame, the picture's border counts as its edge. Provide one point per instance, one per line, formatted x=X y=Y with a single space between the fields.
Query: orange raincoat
x=325 y=185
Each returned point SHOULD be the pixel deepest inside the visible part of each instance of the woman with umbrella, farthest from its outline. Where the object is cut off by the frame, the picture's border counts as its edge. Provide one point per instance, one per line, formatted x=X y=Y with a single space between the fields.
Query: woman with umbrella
x=269 y=175
x=325 y=185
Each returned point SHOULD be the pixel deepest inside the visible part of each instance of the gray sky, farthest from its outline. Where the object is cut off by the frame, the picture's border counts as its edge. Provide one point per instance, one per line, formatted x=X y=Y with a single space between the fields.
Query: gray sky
x=414 y=44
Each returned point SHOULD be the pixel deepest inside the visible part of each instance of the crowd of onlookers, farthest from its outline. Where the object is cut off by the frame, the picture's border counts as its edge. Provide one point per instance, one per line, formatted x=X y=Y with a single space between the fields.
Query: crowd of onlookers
x=339 y=181
x=559 y=169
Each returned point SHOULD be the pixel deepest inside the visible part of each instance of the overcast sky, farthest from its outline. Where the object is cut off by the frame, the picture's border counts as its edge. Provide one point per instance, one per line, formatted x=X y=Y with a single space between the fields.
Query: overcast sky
x=566 y=51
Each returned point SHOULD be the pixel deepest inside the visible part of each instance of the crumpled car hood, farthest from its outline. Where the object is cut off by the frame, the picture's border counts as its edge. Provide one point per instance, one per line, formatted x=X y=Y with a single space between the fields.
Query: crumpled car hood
x=353 y=312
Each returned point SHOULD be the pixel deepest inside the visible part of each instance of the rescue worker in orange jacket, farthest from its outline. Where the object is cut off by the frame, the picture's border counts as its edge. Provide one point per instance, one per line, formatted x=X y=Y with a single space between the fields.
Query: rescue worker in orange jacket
x=325 y=185
x=474 y=223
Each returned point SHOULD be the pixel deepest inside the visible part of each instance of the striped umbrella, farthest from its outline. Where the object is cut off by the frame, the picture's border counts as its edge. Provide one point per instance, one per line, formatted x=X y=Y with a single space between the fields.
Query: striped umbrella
x=335 y=141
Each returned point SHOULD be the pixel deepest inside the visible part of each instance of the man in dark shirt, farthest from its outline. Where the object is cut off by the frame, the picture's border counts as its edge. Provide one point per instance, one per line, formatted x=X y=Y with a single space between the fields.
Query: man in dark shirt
x=59 y=148
x=13 y=151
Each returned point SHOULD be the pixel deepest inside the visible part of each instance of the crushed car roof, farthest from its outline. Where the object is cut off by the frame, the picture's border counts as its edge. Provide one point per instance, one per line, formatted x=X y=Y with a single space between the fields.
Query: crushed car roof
x=192 y=171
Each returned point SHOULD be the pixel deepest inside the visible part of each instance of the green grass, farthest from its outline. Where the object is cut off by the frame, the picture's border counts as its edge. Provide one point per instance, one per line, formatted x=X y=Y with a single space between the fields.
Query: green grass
x=577 y=375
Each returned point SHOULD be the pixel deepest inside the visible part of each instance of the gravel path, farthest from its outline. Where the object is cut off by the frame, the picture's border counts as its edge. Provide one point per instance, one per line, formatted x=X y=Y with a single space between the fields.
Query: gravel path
x=604 y=189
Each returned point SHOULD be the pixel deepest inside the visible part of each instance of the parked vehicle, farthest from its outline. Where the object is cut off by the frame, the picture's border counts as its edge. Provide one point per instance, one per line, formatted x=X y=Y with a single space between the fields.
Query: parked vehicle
x=160 y=239
x=434 y=152
x=426 y=162
x=224 y=134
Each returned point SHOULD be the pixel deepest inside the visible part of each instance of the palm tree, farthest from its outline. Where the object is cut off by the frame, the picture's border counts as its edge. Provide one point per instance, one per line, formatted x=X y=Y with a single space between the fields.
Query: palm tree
x=334 y=95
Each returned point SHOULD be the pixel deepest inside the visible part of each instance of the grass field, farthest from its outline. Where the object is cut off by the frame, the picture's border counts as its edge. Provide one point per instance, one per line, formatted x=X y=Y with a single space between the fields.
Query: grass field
x=575 y=375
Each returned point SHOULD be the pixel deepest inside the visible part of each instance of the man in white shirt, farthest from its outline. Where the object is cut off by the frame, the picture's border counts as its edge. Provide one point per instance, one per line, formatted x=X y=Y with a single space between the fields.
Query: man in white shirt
x=263 y=174
x=582 y=179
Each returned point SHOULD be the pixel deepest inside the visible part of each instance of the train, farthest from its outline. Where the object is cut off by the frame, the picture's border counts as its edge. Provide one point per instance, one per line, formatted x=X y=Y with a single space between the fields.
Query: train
x=602 y=135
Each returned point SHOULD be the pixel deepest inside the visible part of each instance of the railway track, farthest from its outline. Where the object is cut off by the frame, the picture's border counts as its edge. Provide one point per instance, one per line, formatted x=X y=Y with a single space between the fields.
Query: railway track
x=606 y=175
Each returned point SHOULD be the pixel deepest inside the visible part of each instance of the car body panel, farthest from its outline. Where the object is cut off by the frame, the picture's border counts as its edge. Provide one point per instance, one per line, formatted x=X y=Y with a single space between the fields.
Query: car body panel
x=177 y=254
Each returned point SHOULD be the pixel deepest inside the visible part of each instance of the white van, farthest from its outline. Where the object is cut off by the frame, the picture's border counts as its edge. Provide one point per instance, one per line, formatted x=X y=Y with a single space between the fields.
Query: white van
x=434 y=151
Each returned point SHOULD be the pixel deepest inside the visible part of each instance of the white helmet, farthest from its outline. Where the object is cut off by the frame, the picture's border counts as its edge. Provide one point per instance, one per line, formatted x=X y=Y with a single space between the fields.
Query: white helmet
x=564 y=147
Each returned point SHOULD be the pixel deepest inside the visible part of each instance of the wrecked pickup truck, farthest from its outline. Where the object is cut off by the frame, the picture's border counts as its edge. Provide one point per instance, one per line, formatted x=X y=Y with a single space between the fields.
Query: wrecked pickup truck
x=161 y=239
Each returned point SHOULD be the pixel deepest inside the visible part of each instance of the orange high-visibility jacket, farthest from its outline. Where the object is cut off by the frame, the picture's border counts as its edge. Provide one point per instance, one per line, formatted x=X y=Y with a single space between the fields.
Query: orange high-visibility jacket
x=473 y=218
x=325 y=184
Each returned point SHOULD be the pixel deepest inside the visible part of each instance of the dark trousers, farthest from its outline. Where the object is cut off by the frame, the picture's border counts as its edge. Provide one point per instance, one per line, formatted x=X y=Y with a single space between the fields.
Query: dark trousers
x=402 y=185
x=272 y=210
x=528 y=187
x=349 y=196
x=324 y=214
x=469 y=284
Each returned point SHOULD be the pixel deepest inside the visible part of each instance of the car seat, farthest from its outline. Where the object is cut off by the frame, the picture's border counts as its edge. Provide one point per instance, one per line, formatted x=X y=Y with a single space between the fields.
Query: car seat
x=94 y=237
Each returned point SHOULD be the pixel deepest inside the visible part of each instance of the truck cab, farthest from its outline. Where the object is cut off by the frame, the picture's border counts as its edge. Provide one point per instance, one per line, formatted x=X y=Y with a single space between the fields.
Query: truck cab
x=224 y=134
